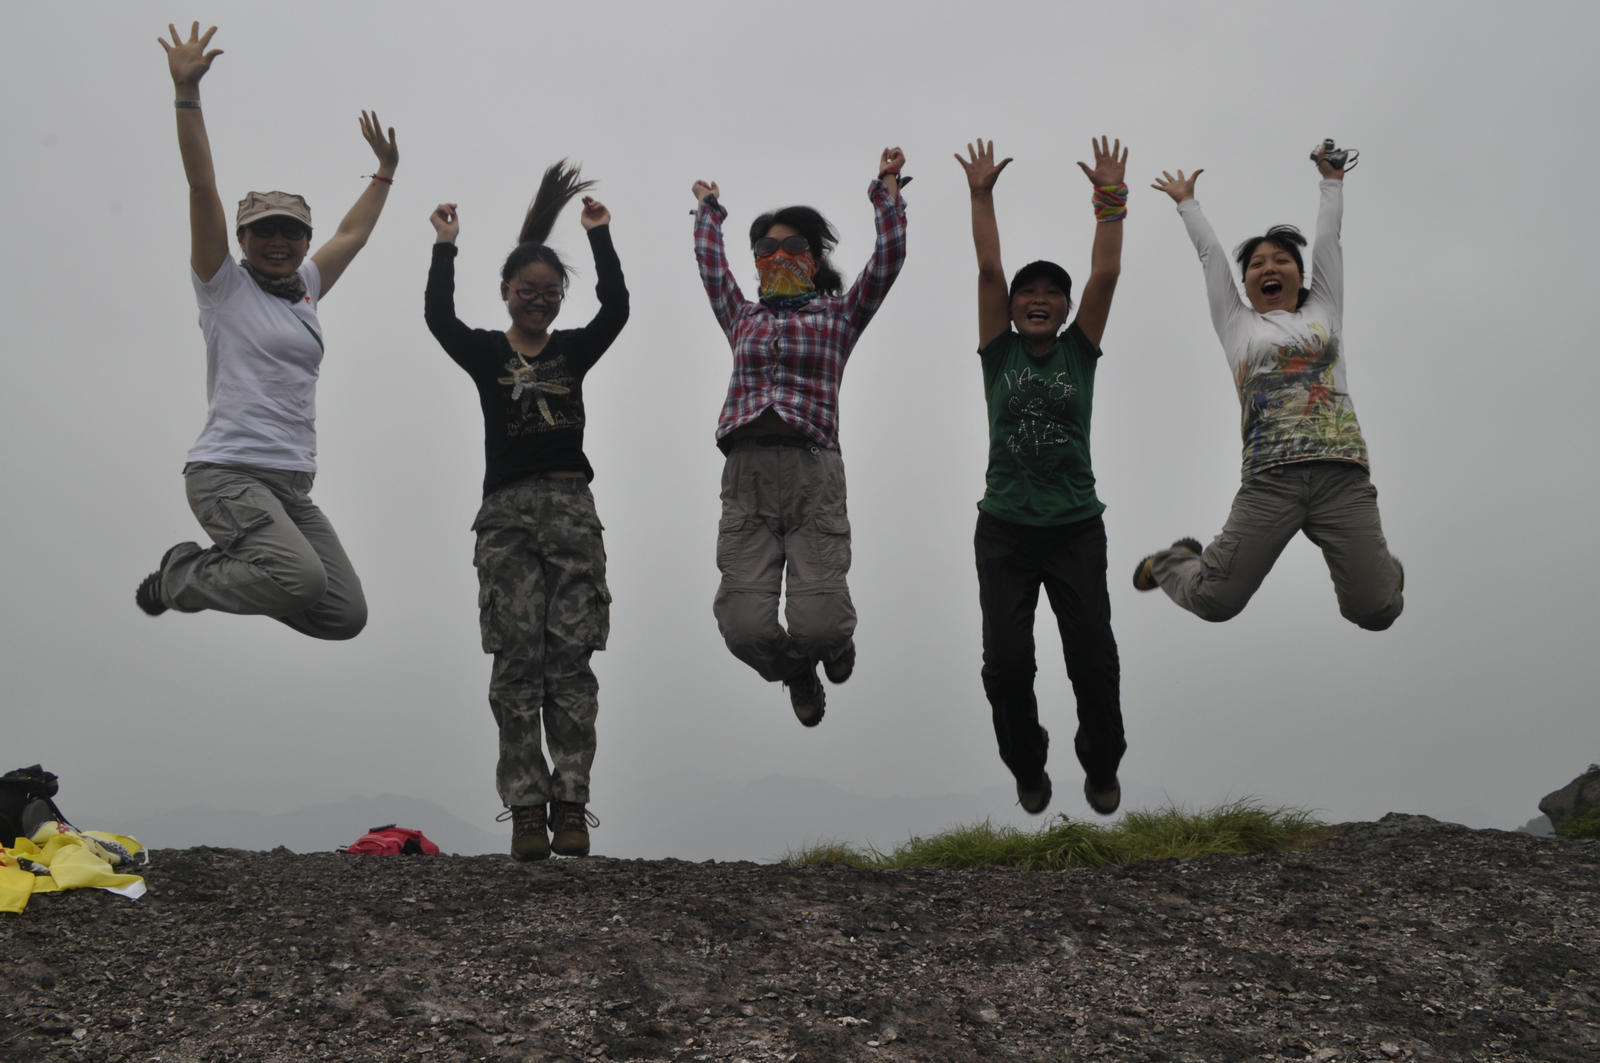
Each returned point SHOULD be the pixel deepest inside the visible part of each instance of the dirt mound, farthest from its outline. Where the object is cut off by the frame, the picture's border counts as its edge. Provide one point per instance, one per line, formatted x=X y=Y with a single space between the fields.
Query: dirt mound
x=1404 y=939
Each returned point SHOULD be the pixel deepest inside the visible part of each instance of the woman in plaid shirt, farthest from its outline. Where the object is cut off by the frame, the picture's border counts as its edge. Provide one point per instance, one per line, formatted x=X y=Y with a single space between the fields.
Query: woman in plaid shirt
x=783 y=487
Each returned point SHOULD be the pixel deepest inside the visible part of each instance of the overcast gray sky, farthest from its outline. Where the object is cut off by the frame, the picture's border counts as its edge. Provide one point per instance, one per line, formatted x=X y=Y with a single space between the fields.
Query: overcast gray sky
x=1468 y=236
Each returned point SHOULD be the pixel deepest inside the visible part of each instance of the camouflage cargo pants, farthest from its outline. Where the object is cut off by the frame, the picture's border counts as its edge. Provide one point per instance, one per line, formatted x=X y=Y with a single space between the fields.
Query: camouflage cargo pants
x=544 y=609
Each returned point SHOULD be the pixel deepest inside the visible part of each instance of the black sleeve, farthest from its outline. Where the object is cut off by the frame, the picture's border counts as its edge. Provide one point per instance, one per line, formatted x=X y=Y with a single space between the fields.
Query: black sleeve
x=439 y=308
x=612 y=292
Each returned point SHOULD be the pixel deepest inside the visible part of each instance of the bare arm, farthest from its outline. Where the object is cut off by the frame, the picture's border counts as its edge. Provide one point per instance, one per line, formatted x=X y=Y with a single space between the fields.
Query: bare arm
x=188 y=61
x=356 y=227
x=1105 y=263
x=994 y=304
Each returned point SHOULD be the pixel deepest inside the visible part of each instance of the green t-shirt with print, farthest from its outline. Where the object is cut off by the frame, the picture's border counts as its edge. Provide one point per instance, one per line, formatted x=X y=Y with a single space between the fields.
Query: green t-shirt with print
x=1039 y=409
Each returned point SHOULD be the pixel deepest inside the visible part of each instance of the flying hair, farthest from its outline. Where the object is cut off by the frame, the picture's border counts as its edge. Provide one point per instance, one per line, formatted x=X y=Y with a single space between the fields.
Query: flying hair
x=556 y=189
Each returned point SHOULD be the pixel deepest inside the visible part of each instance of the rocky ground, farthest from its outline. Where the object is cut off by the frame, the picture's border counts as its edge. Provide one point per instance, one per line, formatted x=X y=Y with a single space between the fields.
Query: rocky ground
x=1404 y=939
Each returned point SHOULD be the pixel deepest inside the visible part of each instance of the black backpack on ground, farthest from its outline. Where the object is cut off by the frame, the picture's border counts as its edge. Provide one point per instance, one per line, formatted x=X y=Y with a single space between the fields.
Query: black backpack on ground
x=25 y=803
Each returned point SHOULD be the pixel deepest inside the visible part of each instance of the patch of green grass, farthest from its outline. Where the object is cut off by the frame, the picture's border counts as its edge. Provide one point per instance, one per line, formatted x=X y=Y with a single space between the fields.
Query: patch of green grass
x=1163 y=834
x=1582 y=826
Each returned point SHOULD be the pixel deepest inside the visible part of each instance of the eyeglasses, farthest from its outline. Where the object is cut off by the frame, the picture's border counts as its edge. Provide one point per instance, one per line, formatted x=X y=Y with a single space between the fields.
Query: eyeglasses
x=287 y=228
x=770 y=245
x=540 y=295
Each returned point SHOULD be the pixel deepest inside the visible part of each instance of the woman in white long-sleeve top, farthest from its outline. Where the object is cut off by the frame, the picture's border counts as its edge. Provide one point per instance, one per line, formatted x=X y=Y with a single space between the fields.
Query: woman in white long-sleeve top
x=1305 y=461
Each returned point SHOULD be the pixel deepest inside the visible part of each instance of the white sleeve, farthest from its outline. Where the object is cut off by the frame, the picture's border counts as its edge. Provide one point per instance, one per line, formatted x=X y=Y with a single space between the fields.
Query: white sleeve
x=221 y=286
x=1228 y=310
x=1327 y=254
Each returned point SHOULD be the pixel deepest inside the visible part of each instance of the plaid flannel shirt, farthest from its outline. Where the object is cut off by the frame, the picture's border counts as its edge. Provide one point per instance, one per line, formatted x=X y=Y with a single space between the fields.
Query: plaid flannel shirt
x=792 y=360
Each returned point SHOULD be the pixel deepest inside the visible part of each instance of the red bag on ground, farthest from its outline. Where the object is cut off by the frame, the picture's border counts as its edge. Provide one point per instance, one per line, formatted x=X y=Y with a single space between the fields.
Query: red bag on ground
x=389 y=840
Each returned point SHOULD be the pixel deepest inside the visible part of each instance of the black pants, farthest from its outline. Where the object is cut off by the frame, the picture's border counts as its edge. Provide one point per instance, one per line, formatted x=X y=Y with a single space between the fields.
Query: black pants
x=1069 y=561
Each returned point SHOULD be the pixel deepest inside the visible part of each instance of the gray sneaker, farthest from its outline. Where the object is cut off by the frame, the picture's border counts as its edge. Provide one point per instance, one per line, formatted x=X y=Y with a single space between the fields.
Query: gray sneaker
x=806 y=695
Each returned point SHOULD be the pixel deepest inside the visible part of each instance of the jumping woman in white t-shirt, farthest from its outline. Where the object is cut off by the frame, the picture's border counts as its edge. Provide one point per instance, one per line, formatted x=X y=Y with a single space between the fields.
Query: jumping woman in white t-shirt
x=1305 y=461
x=249 y=474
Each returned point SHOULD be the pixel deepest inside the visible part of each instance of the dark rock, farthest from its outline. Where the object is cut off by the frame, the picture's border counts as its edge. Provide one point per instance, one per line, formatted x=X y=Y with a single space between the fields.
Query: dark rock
x=1574 y=799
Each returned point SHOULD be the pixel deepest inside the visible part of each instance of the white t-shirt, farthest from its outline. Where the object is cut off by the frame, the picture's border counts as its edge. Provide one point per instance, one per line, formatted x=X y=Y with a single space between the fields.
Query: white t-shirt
x=1288 y=366
x=262 y=359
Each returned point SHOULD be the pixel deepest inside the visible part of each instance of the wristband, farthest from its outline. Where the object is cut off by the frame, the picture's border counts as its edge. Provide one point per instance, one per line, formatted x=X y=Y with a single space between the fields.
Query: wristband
x=186 y=105
x=1110 y=202
x=902 y=180
x=379 y=177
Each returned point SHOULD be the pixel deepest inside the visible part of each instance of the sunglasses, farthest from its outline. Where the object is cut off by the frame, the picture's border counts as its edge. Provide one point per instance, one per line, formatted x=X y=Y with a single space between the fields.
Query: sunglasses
x=287 y=228
x=770 y=245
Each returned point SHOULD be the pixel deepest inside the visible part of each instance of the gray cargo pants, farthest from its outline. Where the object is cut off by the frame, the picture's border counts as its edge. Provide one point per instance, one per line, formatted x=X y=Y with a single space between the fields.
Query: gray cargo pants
x=783 y=509
x=544 y=608
x=275 y=555
x=1334 y=504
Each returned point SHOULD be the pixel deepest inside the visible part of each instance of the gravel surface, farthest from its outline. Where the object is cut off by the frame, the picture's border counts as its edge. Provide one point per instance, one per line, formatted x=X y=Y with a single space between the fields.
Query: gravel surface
x=1404 y=939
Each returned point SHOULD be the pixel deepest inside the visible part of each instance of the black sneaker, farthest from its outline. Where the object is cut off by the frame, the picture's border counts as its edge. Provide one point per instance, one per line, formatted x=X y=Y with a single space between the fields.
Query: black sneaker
x=840 y=668
x=528 y=838
x=806 y=695
x=1034 y=796
x=1104 y=798
x=569 y=824
x=148 y=595
x=1144 y=576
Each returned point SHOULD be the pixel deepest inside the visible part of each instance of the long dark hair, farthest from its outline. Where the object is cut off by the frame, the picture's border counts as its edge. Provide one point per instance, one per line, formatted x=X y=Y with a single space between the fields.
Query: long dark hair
x=556 y=189
x=1285 y=236
x=809 y=223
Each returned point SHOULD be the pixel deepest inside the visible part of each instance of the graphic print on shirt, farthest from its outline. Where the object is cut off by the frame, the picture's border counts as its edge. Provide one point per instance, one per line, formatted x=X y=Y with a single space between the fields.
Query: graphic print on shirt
x=533 y=387
x=1291 y=403
x=1040 y=405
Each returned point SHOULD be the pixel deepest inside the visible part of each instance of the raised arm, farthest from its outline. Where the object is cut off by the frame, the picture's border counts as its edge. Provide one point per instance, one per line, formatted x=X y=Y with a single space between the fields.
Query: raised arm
x=1327 y=253
x=1105 y=263
x=1227 y=305
x=994 y=304
x=356 y=227
x=889 y=251
x=712 y=257
x=439 y=302
x=188 y=61
x=609 y=286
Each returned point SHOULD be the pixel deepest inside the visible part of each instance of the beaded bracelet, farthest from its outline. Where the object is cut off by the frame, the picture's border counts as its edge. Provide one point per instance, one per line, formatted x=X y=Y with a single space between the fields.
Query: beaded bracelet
x=1110 y=202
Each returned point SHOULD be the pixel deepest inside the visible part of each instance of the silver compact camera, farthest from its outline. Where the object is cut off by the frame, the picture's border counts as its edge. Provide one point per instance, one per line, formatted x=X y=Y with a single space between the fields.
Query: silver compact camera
x=1338 y=158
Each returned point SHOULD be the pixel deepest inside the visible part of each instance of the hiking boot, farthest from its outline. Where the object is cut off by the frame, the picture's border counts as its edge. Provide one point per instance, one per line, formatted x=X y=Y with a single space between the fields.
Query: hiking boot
x=1144 y=576
x=528 y=839
x=1103 y=798
x=569 y=823
x=806 y=696
x=840 y=668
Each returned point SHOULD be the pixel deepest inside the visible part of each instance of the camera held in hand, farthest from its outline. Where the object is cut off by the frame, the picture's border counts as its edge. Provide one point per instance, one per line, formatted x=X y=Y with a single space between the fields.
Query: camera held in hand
x=1338 y=158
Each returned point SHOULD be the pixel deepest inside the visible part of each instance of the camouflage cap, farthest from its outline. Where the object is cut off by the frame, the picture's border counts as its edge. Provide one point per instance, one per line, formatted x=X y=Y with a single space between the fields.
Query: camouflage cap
x=258 y=205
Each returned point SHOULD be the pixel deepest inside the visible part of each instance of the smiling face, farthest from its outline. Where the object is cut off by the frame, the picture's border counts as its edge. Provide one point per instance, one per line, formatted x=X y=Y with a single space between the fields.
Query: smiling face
x=1039 y=310
x=533 y=297
x=275 y=246
x=1272 y=278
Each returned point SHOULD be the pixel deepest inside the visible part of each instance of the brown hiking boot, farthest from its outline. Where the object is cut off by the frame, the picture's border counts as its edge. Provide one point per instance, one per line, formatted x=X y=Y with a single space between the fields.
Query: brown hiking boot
x=806 y=696
x=528 y=838
x=570 y=822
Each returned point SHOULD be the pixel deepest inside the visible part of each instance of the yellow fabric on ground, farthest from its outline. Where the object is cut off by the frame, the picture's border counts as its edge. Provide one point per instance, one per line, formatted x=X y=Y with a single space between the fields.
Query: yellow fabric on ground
x=75 y=859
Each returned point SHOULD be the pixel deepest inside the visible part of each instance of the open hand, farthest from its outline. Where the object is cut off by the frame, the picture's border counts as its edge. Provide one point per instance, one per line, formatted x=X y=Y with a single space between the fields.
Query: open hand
x=1179 y=187
x=703 y=189
x=387 y=149
x=1110 y=163
x=188 y=60
x=446 y=222
x=594 y=213
x=982 y=172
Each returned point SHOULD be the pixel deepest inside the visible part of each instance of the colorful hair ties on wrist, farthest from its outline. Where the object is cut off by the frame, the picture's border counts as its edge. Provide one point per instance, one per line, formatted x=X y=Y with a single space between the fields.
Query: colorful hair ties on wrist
x=1110 y=202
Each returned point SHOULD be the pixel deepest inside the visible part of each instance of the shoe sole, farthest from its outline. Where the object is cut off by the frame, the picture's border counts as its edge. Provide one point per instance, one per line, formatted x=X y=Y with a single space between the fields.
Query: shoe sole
x=1143 y=578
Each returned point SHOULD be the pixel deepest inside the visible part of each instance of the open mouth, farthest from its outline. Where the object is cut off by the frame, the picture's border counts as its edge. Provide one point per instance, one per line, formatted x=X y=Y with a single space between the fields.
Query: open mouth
x=1271 y=287
x=1039 y=316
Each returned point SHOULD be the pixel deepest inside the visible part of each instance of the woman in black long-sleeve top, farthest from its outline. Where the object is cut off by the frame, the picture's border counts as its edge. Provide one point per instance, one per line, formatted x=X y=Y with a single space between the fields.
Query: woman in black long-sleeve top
x=544 y=607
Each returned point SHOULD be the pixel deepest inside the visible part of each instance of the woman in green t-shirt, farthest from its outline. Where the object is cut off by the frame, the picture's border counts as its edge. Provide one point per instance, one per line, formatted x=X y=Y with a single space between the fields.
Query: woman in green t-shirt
x=1039 y=522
